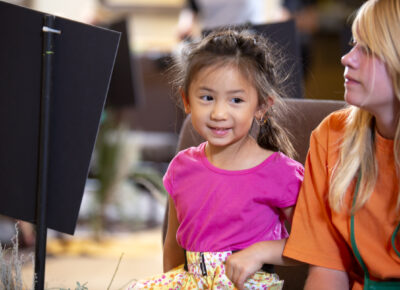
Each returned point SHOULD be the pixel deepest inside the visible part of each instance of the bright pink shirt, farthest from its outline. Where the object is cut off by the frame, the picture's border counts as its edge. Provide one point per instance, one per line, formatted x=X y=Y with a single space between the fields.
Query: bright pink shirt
x=223 y=210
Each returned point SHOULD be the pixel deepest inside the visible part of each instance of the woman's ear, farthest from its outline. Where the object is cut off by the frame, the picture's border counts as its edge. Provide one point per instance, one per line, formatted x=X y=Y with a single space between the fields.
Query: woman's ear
x=185 y=101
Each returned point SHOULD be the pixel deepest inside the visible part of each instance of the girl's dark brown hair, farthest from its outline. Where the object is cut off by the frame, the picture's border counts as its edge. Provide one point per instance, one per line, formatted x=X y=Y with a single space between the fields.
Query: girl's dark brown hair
x=258 y=62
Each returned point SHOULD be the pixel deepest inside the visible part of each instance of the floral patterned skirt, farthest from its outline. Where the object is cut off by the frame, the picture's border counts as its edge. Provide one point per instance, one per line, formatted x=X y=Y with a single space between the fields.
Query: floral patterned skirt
x=205 y=271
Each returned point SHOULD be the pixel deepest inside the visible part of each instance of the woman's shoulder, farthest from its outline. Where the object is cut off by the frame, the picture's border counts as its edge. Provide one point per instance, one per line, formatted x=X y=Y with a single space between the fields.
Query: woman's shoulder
x=334 y=123
x=329 y=133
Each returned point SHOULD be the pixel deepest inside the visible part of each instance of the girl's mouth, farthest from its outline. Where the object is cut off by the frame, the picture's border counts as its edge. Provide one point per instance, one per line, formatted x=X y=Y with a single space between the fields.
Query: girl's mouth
x=219 y=131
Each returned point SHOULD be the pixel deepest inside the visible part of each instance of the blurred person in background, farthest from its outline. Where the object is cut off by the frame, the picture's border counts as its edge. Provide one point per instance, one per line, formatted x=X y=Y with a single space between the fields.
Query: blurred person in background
x=203 y=15
x=305 y=13
x=210 y=14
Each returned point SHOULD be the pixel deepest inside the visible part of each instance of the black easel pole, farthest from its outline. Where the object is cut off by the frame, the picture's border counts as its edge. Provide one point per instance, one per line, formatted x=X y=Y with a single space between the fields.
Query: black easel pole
x=41 y=201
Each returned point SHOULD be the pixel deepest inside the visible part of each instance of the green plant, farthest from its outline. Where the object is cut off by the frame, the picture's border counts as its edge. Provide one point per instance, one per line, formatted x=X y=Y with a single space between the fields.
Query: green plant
x=78 y=287
x=81 y=287
x=108 y=153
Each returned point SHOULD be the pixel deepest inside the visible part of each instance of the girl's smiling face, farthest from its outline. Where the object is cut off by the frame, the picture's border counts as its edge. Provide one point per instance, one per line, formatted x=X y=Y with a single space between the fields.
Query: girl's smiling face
x=222 y=104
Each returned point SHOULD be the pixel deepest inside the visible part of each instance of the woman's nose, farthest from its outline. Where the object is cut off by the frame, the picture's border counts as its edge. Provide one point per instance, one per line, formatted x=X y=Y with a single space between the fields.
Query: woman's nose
x=350 y=59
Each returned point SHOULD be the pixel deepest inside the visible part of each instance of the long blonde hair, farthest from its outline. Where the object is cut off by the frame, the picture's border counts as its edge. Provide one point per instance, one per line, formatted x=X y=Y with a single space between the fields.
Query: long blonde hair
x=376 y=26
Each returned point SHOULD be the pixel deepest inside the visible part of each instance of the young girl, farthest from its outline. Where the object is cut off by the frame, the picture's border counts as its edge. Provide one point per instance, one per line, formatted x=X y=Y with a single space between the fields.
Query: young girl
x=347 y=218
x=230 y=195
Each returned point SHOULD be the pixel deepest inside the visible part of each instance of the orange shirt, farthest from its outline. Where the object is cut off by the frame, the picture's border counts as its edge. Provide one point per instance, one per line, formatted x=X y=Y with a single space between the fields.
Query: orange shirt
x=320 y=236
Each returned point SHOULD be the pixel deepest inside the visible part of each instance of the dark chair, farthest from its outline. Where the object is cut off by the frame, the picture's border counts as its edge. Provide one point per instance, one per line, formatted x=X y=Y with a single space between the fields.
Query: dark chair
x=300 y=119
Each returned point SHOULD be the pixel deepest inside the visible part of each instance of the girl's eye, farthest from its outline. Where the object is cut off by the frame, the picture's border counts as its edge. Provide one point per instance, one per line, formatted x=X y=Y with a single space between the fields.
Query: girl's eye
x=237 y=100
x=206 y=98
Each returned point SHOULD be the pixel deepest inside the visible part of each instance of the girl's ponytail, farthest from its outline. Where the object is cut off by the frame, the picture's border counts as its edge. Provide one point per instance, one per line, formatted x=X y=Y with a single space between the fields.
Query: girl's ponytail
x=272 y=136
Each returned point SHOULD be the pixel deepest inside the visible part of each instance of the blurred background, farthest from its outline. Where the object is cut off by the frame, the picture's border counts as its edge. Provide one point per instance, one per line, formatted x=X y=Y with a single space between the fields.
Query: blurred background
x=124 y=201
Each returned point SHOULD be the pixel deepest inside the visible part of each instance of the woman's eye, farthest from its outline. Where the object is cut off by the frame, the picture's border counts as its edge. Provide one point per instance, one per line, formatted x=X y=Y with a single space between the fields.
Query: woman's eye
x=362 y=47
x=365 y=49
x=206 y=98
x=352 y=42
x=237 y=100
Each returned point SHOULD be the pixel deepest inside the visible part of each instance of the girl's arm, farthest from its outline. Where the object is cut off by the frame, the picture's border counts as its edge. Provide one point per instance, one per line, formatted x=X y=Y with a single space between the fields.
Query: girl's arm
x=173 y=254
x=331 y=279
x=242 y=265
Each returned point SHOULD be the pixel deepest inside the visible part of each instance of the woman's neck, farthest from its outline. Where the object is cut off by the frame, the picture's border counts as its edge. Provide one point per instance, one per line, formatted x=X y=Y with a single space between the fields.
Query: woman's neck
x=241 y=155
x=386 y=124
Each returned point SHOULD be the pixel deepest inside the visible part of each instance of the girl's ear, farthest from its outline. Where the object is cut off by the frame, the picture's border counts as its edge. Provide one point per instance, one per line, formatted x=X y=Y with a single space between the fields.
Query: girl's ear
x=185 y=101
x=262 y=110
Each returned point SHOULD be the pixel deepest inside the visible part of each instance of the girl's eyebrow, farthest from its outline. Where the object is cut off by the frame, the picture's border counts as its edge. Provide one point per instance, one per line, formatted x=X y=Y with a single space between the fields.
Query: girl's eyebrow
x=229 y=92
x=206 y=89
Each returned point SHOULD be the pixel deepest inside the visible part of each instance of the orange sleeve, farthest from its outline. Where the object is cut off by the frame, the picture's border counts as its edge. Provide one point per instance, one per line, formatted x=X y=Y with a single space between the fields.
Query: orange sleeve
x=313 y=238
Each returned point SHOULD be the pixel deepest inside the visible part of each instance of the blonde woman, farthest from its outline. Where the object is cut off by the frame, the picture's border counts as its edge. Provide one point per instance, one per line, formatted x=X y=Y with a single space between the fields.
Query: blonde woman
x=347 y=216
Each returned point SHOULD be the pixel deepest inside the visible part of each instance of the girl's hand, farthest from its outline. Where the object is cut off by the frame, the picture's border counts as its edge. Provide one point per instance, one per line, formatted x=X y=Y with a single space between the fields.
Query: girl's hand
x=242 y=265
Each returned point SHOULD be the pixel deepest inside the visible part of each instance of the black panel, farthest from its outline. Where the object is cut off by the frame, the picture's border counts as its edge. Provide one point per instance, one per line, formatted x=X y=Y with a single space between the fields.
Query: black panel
x=126 y=84
x=84 y=58
x=284 y=34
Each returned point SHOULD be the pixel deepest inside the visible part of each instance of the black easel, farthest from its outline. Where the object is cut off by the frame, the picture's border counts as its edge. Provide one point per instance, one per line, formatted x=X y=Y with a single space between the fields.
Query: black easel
x=44 y=137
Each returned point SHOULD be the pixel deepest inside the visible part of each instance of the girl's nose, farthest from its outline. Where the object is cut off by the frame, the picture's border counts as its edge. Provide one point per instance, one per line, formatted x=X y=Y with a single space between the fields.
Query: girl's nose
x=218 y=111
